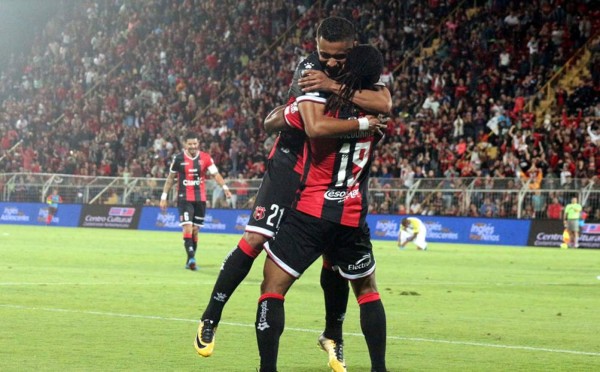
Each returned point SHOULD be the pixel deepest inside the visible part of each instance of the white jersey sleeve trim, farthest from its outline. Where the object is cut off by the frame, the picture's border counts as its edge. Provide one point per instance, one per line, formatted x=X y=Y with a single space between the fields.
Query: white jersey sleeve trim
x=212 y=170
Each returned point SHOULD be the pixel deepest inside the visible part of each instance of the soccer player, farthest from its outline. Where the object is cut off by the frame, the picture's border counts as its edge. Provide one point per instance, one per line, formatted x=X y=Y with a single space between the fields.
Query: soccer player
x=53 y=200
x=412 y=229
x=275 y=197
x=572 y=215
x=191 y=167
x=329 y=214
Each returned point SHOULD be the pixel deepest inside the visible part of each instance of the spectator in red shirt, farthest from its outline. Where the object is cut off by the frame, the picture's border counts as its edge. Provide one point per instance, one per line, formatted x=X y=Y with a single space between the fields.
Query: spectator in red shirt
x=554 y=210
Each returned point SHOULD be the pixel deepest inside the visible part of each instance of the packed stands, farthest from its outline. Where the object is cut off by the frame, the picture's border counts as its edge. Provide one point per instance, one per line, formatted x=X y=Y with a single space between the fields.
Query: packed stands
x=109 y=88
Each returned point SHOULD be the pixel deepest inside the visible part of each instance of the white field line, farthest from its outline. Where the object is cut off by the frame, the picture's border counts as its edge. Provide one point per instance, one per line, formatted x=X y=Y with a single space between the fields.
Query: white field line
x=405 y=285
x=412 y=339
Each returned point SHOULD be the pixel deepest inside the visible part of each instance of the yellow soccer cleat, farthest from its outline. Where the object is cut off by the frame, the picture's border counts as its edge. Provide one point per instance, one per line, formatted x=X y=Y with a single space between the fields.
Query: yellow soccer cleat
x=335 y=350
x=205 y=339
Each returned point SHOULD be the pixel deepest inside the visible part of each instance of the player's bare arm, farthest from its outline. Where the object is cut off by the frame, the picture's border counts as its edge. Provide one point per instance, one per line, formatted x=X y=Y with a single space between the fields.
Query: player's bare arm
x=275 y=121
x=221 y=182
x=166 y=188
x=378 y=100
x=317 y=125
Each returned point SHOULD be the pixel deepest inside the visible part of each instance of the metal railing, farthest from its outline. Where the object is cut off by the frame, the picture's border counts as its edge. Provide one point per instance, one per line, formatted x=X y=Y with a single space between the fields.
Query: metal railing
x=483 y=197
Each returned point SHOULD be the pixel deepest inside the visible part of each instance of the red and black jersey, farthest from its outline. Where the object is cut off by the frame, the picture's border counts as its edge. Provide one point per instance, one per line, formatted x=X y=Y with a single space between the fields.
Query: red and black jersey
x=191 y=175
x=287 y=152
x=334 y=183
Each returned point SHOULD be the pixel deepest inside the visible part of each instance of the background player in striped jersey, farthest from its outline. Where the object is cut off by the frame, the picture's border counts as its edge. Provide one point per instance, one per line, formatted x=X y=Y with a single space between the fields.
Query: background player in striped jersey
x=275 y=197
x=191 y=167
x=330 y=211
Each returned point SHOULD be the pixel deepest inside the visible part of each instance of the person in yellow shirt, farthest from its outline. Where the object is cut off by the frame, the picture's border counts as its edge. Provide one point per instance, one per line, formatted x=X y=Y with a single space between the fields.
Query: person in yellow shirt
x=571 y=216
x=413 y=230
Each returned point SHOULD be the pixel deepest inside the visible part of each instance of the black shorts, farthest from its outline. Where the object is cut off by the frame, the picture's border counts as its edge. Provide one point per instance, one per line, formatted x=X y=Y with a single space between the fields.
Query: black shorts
x=303 y=238
x=274 y=198
x=191 y=213
x=52 y=211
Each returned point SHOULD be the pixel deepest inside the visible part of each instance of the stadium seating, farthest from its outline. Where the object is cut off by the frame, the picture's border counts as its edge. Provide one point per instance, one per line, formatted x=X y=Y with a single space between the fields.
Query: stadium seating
x=109 y=88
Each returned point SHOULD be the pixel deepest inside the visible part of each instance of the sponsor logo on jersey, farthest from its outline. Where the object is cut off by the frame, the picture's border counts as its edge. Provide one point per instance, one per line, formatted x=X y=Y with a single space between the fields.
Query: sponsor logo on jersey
x=334 y=195
x=341 y=195
x=259 y=213
x=364 y=262
x=191 y=183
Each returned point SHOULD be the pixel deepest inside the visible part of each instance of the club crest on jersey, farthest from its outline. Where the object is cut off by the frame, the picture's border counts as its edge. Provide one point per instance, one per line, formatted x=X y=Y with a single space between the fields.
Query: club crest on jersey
x=309 y=65
x=259 y=213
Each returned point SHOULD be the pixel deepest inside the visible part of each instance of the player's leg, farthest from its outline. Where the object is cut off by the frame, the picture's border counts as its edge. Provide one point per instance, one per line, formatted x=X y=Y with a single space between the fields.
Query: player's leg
x=199 y=211
x=188 y=244
x=51 y=213
x=263 y=224
x=355 y=261
x=186 y=214
x=298 y=244
x=372 y=320
x=270 y=314
x=420 y=241
x=235 y=267
x=195 y=231
x=336 y=292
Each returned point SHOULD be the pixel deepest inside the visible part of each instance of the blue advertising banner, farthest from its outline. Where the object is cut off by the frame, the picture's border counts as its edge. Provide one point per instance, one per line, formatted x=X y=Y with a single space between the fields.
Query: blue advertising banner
x=231 y=221
x=226 y=221
x=109 y=216
x=456 y=230
x=36 y=214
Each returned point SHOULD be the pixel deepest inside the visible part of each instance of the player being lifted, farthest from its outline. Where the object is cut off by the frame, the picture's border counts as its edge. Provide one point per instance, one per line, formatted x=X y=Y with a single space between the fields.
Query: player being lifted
x=329 y=215
x=277 y=192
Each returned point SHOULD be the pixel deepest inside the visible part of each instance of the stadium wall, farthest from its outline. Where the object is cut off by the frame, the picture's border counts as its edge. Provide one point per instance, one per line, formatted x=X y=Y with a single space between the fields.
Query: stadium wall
x=540 y=233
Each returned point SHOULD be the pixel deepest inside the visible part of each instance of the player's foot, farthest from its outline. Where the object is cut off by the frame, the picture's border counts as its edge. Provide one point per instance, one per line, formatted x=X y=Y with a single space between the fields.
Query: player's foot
x=191 y=264
x=335 y=350
x=205 y=339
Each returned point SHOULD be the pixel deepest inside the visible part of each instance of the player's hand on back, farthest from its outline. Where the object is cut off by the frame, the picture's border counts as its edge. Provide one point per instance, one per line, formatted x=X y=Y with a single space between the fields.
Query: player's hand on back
x=314 y=80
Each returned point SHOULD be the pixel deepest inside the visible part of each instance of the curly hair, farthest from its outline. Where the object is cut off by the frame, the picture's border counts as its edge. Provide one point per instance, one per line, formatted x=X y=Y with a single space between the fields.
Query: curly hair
x=362 y=70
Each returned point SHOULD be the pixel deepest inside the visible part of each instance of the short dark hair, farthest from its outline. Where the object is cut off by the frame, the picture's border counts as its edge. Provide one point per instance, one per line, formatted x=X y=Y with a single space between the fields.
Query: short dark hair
x=190 y=135
x=362 y=70
x=336 y=29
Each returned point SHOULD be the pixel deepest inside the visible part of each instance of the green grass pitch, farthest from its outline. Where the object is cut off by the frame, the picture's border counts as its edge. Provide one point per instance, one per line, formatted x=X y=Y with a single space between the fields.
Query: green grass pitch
x=104 y=300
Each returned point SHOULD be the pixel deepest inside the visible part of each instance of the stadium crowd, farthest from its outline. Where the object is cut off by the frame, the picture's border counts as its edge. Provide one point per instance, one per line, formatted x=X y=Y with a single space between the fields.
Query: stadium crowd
x=108 y=88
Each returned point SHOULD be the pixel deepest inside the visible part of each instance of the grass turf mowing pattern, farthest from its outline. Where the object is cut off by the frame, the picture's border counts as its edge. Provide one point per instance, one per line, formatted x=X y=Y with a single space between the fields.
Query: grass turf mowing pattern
x=97 y=300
